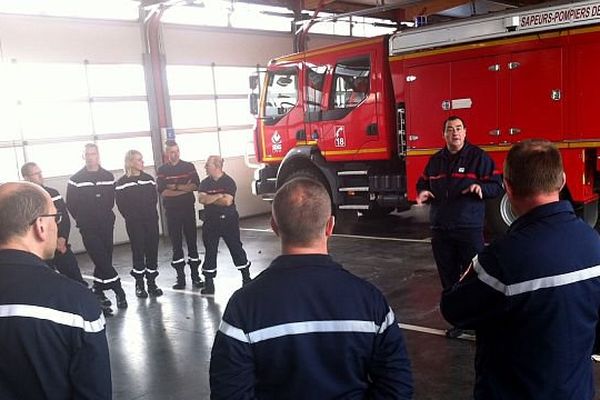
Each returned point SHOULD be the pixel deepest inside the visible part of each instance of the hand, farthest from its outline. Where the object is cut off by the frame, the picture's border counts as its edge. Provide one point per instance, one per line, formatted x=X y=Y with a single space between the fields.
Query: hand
x=424 y=196
x=61 y=245
x=171 y=186
x=474 y=188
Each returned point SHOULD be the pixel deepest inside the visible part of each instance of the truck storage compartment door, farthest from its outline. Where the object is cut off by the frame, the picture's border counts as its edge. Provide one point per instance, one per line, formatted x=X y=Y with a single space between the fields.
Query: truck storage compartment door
x=474 y=97
x=428 y=104
x=535 y=98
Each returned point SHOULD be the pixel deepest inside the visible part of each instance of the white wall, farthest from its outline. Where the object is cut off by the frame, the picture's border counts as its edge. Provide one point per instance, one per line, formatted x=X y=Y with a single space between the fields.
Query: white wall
x=58 y=39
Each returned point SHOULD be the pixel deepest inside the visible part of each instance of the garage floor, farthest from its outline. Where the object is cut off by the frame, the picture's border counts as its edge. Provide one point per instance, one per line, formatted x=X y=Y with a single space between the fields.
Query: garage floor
x=160 y=348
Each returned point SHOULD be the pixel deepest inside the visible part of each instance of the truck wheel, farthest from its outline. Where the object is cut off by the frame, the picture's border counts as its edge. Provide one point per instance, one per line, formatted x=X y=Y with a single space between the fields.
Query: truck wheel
x=499 y=215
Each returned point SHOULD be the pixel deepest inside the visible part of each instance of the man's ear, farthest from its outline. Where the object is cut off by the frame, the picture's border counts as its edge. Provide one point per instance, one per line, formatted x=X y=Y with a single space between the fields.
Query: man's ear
x=564 y=181
x=507 y=187
x=274 y=226
x=329 y=226
x=40 y=232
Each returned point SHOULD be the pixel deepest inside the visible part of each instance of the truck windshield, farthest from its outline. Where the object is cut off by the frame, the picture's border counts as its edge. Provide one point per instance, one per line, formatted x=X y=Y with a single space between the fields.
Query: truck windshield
x=282 y=93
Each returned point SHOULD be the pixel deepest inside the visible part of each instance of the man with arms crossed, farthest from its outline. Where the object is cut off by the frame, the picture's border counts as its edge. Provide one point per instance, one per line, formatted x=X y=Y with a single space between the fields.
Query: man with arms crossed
x=305 y=328
x=533 y=296
x=53 y=343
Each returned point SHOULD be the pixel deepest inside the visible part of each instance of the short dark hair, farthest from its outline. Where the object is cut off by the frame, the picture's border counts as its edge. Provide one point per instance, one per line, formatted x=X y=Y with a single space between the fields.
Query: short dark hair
x=25 y=168
x=534 y=167
x=171 y=143
x=18 y=208
x=453 y=118
x=301 y=209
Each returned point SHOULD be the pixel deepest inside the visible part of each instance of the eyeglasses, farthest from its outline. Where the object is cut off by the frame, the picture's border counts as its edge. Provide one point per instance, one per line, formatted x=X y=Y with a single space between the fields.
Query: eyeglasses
x=57 y=217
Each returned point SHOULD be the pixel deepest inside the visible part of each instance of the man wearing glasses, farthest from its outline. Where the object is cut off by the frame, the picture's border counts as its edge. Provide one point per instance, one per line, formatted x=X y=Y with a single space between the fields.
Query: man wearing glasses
x=53 y=331
x=64 y=260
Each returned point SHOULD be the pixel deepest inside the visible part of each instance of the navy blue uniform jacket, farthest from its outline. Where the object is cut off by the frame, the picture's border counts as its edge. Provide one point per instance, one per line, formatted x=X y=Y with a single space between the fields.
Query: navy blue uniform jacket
x=446 y=177
x=305 y=328
x=91 y=197
x=53 y=343
x=533 y=297
x=136 y=197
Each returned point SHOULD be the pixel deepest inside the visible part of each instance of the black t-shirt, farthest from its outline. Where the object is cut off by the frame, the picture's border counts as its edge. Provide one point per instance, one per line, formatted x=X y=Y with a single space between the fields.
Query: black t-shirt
x=181 y=173
x=225 y=184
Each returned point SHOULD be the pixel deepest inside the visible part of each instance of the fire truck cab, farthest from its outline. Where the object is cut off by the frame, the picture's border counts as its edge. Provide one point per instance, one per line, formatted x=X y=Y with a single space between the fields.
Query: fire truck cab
x=364 y=117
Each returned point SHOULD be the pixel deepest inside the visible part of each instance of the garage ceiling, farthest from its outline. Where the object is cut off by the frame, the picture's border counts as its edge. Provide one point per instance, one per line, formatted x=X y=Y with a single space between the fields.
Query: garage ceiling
x=403 y=10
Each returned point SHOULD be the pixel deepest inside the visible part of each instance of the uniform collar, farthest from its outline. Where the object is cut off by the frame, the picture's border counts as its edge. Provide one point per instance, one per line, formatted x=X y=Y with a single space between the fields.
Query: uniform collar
x=540 y=212
x=20 y=257
x=447 y=153
x=303 y=260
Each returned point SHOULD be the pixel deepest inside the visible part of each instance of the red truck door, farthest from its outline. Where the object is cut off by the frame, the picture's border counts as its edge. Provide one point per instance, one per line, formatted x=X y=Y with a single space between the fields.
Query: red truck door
x=281 y=118
x=353 y=122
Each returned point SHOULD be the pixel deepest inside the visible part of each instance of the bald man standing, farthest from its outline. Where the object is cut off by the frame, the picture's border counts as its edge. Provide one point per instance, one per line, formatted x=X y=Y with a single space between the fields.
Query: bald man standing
x=53 y=342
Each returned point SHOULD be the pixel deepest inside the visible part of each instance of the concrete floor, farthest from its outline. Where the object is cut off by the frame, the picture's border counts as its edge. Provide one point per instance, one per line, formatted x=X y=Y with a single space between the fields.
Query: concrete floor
x=160 y=348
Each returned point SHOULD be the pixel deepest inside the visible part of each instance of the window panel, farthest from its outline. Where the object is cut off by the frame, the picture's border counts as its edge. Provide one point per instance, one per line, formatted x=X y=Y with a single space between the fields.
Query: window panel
x=213 y=13
x=11 y=160
x=112 y=151
x=51 y=81
x=120 y=116
x=233 y=80
x=9 y=121
x=189 y=79
x=250 y=16
x=351 y=80
x=235 y=143
x=282 y=93
x=116 y=80
x=193 y=113
x=43 y=120
x=69 y=161
x=198 y=146
x=234 y=112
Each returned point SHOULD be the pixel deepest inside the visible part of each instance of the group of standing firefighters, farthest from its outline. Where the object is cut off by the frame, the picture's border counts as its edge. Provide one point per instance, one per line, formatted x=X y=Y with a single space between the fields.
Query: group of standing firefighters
x=91 y=196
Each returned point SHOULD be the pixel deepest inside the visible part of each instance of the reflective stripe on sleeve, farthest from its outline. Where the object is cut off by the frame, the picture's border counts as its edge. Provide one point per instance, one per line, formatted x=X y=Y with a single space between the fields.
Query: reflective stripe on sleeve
x=535 y=284
x=299 y=328
x=233 y=332
x=389 y=320
x=49 y=314
x=55 y=198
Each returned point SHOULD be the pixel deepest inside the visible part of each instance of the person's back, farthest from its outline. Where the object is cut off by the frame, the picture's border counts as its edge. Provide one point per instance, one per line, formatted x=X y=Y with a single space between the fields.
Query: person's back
x=305 y=328
x=533 y=296
x=540 y=348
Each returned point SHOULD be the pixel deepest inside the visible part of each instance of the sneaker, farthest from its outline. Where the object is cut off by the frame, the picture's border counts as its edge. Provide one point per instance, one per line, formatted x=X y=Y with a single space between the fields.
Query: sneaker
x=453 y=332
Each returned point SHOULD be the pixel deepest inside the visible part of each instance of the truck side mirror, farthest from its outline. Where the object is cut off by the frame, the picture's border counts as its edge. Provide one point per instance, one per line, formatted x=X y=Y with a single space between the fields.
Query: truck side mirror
x=253 y=82
x=253 y=100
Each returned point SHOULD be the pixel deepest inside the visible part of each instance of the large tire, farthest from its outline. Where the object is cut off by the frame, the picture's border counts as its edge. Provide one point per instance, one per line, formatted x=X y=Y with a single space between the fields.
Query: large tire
x=499 y=215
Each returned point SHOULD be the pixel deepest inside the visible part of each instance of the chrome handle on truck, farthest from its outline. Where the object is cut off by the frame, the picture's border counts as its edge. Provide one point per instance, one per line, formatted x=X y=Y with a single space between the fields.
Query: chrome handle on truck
x=494 y=132
x=514 y=131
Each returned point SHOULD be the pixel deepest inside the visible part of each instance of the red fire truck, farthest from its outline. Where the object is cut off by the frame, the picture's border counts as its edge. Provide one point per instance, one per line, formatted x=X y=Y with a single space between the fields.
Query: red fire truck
x=364 y=117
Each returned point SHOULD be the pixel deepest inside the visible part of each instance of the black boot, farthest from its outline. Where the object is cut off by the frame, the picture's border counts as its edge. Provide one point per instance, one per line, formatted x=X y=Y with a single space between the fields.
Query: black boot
x=209 y=287
x=246 y=275
x=121 y=299
x=196 y=280
x=153 y=290
x=140 y=290
x=180 y=284
x=102 y=299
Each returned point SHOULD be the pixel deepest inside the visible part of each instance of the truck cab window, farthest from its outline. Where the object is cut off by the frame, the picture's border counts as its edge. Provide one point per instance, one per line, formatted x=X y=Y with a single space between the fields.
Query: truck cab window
x=282 y=93
x=351 y=83
x=315 y=76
